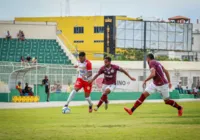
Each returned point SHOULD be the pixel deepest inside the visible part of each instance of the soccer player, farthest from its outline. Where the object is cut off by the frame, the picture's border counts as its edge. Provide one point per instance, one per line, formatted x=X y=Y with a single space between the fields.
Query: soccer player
x=109 y=82
x=159 y=84
x=85 y=74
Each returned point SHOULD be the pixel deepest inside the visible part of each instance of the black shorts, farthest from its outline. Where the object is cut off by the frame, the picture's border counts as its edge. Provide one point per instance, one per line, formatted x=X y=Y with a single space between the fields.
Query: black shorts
x=46 y=89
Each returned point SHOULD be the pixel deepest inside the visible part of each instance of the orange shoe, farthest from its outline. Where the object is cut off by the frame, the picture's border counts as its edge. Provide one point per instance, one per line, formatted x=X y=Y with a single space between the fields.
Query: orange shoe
x=180 y=112
x=129 y=111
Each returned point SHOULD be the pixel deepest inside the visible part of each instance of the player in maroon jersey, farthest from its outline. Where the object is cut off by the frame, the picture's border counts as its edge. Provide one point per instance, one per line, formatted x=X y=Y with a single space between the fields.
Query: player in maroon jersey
x=159 y=84
x=109 y=82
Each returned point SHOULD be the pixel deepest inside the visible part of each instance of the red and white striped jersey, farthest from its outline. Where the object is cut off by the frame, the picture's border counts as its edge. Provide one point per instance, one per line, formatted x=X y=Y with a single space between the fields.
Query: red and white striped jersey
x=84 y=68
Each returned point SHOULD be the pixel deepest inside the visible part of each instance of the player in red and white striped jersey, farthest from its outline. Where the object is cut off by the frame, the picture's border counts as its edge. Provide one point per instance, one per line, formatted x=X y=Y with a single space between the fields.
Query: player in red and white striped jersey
x=85 y=74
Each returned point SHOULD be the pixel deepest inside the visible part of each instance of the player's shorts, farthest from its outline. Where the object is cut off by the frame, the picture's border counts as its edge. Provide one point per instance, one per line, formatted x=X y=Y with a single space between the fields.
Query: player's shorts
x=80 y=83
x=111 y=87
x=163 y=90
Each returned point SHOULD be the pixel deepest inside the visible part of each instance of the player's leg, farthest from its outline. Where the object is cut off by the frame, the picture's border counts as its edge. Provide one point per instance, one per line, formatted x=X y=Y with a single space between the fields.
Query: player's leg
x=175 y=105
x=48 y=93
x=112 y=88
x=143 y=96
x=77 y=87
x=87 y=89
x=104 y=96
x=165 y=94
x=71 y=95
x=151 y=88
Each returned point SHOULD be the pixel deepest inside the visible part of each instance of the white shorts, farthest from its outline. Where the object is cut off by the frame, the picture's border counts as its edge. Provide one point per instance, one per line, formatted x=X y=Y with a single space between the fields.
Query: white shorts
x=163 y=90
x=111 y=87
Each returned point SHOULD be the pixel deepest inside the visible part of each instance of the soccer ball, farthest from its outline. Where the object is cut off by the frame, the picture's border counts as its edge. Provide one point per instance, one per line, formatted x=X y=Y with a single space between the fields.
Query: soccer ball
x=66 y=110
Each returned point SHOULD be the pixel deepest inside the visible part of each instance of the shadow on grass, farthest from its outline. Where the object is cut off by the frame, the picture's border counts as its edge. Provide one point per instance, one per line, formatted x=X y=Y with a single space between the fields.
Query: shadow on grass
x=189 y=117
x=178 y=123
x=94 y=126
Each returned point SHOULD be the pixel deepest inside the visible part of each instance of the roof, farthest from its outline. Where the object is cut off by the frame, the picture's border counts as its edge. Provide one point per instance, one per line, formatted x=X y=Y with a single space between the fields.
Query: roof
x=178 y=17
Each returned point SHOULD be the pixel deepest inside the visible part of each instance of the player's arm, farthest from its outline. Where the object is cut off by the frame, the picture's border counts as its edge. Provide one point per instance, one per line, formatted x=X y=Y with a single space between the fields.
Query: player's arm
x=76 y=65
x=168 y=77
x=126 y=73
x=153 y=74
x=89 y=70
x=42 y=82
x=94 y=78
x=89 y=73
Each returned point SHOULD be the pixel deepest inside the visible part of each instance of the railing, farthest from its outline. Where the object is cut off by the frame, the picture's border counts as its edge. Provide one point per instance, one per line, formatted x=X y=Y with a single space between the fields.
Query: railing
x=58 y=74
x=64 y=76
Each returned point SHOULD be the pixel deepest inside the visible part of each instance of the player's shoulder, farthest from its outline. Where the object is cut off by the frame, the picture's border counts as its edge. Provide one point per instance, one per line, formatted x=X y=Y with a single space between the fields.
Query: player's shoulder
x=102 y=67
x=87 y=61
x=153 y=62
x=114 y=66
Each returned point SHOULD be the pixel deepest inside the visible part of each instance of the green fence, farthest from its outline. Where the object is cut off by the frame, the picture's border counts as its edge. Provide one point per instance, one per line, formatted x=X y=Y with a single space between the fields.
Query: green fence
x=5 y=97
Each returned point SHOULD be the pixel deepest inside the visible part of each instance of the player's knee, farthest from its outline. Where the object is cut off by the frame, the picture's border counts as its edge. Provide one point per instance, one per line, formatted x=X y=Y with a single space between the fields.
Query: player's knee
x=145 y=94
x=107 y=92
x=76 y=89
x=87 y=95
x=166 y=101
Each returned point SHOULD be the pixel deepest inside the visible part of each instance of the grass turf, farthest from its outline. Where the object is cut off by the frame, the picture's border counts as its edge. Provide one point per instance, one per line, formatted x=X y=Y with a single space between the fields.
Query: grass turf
x=154 y=121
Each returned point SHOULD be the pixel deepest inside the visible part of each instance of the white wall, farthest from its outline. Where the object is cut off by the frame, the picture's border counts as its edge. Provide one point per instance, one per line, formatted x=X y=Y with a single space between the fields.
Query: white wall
x=31 y=30
x=176 y=69
x=196 y=44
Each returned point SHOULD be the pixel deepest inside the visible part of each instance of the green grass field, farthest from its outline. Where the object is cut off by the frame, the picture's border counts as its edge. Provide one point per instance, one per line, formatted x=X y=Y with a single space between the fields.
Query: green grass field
x=152 y=121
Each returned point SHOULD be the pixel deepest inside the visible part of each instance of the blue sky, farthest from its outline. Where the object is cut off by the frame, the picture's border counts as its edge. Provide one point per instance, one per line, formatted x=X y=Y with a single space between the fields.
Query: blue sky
x=133 y=8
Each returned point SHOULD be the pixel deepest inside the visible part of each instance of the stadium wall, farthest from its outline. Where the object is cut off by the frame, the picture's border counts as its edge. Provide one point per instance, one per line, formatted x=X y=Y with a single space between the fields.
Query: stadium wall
x=32 y=30
x=178 y=70
x=94 y=96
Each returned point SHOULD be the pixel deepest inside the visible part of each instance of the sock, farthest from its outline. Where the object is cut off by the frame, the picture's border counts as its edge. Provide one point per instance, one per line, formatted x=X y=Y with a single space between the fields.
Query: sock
x=173 y=103
x=89 y=100
x=103 y=99
x=106 y=101
x=71 y=96
x=138 y=102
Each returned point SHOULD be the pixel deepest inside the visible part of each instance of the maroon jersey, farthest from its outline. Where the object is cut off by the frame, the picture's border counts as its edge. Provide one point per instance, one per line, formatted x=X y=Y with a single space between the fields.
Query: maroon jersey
x=159 y=78
x=110 y=74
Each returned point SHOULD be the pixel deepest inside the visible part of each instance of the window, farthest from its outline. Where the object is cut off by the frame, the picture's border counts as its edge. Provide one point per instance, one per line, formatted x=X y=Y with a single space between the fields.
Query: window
x=188 y=57
x=195 y=81
x=78 y=41
x=78 y=30
x=98 y=41
x=98 y=29
x=184 y=81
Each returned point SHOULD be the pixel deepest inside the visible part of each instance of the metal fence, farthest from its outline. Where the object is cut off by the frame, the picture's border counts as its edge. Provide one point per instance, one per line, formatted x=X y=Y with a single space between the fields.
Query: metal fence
x=66 y=75
x=62 y=74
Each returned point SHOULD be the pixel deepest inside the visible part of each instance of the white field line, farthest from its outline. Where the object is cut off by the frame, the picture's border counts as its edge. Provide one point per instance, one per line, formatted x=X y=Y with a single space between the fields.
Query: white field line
x=5 y=105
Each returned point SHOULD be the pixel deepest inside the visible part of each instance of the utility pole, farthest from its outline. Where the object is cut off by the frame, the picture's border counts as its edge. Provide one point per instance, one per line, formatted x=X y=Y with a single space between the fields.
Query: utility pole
x=145 y=51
